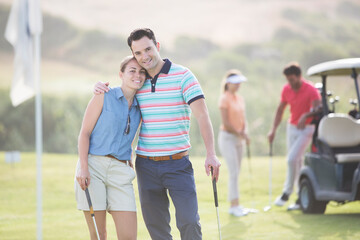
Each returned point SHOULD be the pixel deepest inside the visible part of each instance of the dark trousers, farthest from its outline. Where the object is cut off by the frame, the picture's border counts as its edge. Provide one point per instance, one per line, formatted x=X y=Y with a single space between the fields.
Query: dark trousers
x=155 y=180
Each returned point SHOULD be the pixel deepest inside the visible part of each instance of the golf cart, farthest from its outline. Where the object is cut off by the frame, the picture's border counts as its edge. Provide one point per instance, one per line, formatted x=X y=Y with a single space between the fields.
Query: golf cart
x=332 y=169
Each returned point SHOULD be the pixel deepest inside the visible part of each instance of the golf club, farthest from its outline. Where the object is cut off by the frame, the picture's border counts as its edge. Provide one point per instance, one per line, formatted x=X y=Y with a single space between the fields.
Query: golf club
x=267 y=208
x=216 y=202
x=91 y=211
x=252 y=209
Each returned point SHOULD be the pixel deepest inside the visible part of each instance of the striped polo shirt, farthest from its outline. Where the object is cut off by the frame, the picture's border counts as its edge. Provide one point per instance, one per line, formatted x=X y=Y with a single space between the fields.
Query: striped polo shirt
x=164 y=103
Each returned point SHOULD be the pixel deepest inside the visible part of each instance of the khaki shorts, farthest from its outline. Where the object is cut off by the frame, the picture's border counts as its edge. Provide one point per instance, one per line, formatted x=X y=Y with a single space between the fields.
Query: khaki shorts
x=110 y=186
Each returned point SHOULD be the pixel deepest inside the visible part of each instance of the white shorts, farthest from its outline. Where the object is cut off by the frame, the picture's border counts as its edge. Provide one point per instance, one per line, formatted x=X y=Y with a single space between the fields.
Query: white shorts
x=110 y=186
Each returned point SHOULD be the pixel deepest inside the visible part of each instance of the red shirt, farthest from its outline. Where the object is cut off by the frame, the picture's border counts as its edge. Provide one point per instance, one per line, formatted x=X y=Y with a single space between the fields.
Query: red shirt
x=300 y=101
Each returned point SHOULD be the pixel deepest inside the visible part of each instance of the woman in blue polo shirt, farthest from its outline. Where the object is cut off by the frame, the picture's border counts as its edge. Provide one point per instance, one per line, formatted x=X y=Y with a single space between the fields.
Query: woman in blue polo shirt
x=108 y=129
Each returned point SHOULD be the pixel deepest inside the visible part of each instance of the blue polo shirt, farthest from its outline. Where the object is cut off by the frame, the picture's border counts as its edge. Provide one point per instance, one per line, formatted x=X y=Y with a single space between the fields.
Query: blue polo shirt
x=109 y=135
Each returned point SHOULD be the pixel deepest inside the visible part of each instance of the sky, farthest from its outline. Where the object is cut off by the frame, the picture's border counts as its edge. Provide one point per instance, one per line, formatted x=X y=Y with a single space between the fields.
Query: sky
x=221 y=21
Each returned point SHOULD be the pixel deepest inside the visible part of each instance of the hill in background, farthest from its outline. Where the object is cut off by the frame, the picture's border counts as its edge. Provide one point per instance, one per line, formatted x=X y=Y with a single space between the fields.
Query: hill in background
x=225 y=22
x=74 y=59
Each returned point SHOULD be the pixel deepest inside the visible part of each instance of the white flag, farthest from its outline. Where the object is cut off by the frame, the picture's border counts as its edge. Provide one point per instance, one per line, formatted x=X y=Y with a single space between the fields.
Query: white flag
x=24 y=22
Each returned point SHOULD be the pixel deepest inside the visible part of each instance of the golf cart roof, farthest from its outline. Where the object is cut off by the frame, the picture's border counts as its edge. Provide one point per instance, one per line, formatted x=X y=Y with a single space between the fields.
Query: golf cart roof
x=335 y=68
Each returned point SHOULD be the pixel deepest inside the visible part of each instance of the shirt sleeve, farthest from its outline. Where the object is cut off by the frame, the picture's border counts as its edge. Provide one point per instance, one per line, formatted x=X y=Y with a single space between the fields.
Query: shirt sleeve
x=191 y=88
x=283 y=95
x=315 y=95
x=223 y=103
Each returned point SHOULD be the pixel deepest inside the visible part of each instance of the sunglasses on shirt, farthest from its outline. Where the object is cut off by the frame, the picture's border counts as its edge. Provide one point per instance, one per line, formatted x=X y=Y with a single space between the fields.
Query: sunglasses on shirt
x=127 y=129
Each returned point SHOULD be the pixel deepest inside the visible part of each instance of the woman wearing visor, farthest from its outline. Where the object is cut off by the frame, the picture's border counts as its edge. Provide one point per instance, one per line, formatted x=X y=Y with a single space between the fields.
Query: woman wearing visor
x=232 y=134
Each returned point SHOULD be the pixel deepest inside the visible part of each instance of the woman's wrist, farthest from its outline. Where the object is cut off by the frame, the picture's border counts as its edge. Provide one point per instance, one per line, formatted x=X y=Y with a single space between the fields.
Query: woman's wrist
x=84 y=165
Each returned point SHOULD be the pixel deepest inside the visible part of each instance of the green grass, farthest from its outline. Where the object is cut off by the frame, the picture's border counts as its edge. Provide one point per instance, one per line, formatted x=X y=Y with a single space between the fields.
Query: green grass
x=61 y=219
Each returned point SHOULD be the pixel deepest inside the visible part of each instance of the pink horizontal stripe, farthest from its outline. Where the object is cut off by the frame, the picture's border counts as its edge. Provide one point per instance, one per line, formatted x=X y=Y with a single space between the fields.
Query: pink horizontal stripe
x=159 y=90
x=143 y=91
x=163 y=149
x=166 y=120
x=189 y=86
x=164 y=135
x=168 y=89
x=162 y=104
x=173 y=74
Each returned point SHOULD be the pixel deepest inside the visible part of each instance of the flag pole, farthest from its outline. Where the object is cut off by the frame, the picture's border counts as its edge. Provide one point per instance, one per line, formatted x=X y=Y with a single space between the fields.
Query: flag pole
x=39 y=140
x=23 y=31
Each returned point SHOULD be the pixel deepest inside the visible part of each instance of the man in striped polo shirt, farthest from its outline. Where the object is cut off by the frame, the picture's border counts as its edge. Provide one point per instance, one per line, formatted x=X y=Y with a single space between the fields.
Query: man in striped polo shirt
x=169 y=95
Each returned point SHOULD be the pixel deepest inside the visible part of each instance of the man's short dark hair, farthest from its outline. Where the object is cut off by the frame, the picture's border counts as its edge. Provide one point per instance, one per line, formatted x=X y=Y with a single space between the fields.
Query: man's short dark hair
x=292 y=69
x=139 y=33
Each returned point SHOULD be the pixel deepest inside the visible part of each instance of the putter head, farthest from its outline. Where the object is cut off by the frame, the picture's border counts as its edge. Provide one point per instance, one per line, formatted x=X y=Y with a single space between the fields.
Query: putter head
x=267 y=208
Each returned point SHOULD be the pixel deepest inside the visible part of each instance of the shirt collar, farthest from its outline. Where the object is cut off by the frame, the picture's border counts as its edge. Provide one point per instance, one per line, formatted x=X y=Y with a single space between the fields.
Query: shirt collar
x=119 y=94
x=135 y=102
x=302 y=84
x=165 y=68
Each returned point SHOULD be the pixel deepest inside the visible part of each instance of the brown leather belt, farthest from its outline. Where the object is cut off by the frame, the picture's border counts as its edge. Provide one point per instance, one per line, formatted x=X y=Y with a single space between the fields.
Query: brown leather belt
x=123 y=161
x=176 y=156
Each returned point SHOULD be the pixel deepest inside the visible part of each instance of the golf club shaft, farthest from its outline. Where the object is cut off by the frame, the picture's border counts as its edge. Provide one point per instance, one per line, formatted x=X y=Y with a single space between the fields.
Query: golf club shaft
x=97 y=233
x=218 y=217
x=270 y=174
x=91 y=211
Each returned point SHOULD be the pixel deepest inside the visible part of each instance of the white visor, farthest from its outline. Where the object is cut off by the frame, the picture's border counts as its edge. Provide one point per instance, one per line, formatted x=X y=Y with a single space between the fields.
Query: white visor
x=236 y=79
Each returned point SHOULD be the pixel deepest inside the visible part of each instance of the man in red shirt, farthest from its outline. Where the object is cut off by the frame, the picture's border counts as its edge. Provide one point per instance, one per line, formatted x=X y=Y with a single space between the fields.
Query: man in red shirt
x=305 y=102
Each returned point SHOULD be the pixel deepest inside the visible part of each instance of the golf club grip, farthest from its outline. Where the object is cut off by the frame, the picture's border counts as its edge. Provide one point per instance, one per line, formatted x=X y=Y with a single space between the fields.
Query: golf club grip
x=271 y=150
x=215 y=193
x=215 y=190
x=89 y=202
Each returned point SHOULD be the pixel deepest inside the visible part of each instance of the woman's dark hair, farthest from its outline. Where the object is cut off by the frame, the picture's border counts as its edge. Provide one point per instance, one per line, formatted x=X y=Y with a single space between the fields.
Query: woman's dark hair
x=292 y=68
x=139 y=33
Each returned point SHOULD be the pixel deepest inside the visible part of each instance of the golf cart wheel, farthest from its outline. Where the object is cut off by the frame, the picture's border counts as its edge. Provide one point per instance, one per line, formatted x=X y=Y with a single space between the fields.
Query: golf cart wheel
x=308 y=202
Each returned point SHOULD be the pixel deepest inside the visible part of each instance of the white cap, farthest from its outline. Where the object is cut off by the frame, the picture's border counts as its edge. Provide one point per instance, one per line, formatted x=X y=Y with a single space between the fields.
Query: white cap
x=236 y=79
